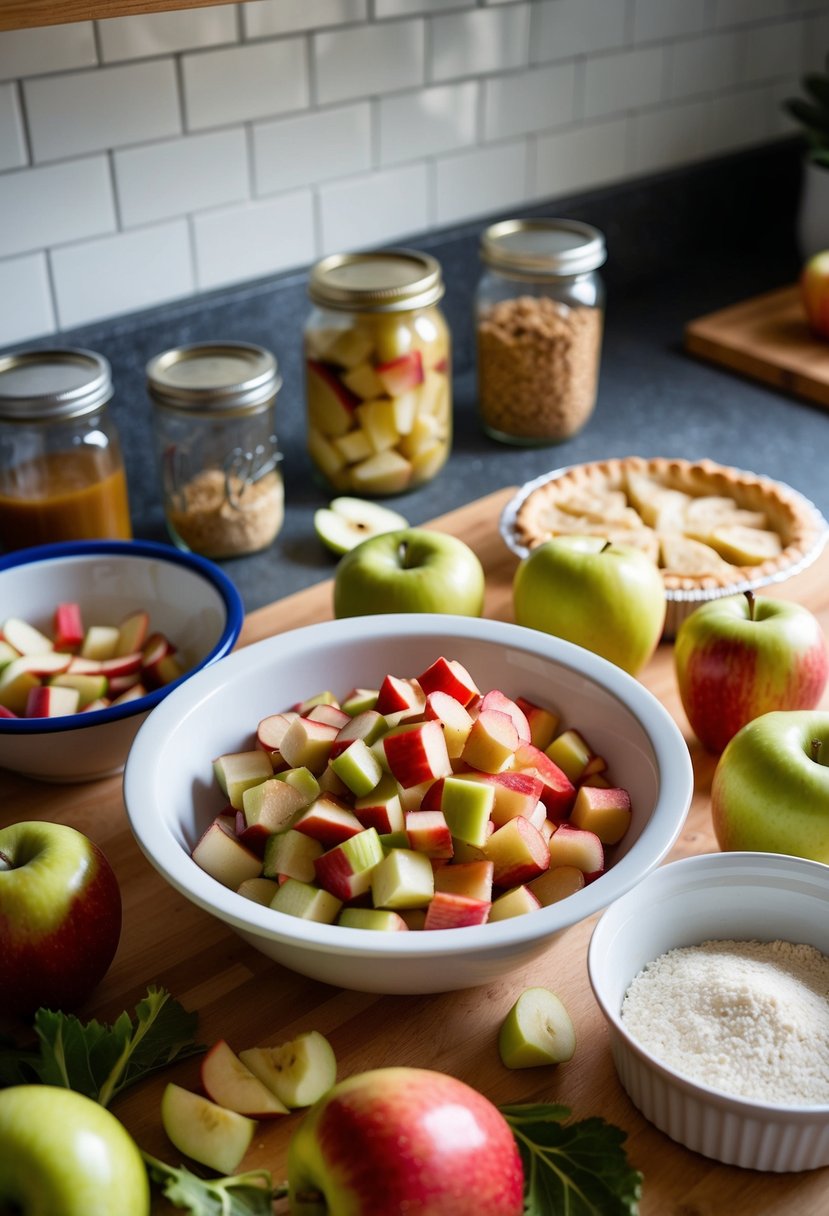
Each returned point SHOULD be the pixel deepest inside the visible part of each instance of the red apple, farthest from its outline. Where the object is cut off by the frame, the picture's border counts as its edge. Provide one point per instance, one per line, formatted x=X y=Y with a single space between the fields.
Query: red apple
x=739 y=657
x=405 y=1140
x=814 y=291
x=60 y=916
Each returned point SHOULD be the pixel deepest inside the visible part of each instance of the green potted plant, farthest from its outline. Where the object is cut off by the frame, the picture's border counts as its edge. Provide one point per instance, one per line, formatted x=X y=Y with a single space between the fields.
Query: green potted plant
x=811 y=112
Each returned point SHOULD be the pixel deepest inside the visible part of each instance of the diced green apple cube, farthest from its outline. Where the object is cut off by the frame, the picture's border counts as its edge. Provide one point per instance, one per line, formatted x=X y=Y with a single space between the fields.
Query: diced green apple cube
x=272 y=803
x=378 y=919
x=236 y=772
x=260 y=890
x=291 y=854
x=516 y=902
x=403 y=879
x=571 y=753
x=358 y=767
x=306 y=901
x=222 y=855
x=467 y=806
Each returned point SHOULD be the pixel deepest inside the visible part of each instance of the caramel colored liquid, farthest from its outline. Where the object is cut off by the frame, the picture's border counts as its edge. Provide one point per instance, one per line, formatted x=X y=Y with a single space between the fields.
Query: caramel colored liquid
x=76 y=495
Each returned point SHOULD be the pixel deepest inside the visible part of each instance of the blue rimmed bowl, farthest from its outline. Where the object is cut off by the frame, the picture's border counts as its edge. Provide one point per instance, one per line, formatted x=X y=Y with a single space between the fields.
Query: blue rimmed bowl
x=188 y=598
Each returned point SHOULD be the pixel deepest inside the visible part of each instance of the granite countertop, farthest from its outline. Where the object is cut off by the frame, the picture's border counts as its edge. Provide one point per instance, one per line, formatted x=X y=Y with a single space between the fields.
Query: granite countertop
x=678 y=247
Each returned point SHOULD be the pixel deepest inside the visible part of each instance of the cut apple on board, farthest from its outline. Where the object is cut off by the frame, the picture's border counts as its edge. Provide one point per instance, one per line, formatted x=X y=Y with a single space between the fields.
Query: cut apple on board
x=428 y=803
x=537 y=1030
x=205 y=1132
x=228 y=1082
x=298 y=1072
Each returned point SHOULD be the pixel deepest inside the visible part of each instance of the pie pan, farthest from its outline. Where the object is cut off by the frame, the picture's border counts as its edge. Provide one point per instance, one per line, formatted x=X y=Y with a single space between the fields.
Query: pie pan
x=682 y=600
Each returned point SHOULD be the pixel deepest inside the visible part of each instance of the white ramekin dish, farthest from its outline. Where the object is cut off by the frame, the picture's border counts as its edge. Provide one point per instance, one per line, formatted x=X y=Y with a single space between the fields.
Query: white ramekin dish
x=188 y=599
x=716 y=896
x=171 y=797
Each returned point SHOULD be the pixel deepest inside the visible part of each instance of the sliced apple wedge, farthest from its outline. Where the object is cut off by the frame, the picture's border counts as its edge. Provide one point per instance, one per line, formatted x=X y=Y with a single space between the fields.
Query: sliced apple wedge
x=537 y=1030
x=207 y=1133
x=347 y=521
x=297 y=1072
x=228 y=1082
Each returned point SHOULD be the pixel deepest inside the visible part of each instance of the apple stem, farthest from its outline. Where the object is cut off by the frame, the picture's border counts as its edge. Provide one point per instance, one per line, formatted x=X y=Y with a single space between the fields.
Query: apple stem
x=817 y=748
x=606 y=546
x=751 y=604
x=5 y=864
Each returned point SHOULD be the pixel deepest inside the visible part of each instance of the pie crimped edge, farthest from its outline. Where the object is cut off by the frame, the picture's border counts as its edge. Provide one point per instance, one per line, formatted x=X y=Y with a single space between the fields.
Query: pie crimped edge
x=802 y=529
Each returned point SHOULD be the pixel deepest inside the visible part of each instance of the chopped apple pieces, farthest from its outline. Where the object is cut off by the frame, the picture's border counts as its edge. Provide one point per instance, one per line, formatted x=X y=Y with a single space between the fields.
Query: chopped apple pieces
x=421 y=804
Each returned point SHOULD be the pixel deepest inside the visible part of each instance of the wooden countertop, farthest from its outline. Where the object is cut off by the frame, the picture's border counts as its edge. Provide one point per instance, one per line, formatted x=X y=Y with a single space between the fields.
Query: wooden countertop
x=243 y=997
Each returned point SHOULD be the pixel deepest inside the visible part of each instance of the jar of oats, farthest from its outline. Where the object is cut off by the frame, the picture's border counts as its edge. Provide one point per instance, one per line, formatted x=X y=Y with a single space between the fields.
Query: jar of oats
x=378 y=375
x=215 y=431
x=539 y=318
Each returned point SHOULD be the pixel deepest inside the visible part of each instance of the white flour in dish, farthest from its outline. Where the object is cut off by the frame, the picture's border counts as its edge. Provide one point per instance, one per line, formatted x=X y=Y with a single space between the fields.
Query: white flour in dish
x=749 y=1019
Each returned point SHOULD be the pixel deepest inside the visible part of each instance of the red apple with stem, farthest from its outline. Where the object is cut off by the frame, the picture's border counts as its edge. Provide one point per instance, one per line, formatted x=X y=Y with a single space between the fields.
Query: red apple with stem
x=814 y=292
x=409 y=1140
x=742 y=656
x=60 y=916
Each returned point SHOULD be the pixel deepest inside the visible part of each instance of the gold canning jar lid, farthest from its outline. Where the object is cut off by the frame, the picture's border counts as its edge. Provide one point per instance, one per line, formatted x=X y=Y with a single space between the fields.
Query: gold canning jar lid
x=222 y=379
x=543 y=247
x=391 y=280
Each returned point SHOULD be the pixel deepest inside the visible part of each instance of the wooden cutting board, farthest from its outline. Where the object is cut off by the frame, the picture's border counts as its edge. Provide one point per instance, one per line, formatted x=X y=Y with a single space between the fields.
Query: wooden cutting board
x=243 y=997
x=766 y=338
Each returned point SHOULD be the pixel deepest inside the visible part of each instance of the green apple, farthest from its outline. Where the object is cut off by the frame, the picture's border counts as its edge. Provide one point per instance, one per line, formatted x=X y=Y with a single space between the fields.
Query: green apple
x=607 y=597
x=61 y=1154
x=345 y=522
x=410 y=570
x=770 y=792
x=60 y=916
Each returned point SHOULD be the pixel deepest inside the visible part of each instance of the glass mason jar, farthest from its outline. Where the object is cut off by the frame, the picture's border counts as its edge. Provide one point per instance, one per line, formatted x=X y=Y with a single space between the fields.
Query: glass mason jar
x=61 y=470
x=378 y=375
x=214 y=406
x=539 y=315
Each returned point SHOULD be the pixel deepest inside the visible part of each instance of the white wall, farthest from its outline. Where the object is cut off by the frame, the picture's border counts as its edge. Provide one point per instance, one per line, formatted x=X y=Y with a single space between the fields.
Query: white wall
x=143 y=159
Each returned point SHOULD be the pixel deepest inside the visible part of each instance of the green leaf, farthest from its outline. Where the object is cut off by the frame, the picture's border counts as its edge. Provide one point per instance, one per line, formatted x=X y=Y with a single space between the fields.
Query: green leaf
x=100 y=1060
x=250 y=1194
x=573 y=1169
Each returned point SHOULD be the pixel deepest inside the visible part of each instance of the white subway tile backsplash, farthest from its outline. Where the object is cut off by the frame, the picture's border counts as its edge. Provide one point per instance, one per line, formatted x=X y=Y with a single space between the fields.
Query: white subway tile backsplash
x=48 y=48
x=164 y=33
x=161 y=180
x=368 y=59
x=264 y=18
x=704 y=65
x=427 y=122
x=147 y=157
x=368 y=211
x=107 y=108
x=12 y=140
x=487 y=179
x=251 y=241
x=52 y=204
x=562 y=28
x=26 y=310
x=122 y=273
x=312 y=147
x=533 y=100
x=623 y=81
x=484 y=40
x=239 y=83
x=586 y=156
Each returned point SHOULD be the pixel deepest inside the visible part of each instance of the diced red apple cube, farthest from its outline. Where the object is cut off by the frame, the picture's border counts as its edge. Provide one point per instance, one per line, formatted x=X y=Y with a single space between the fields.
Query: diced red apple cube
x=518 y=852
x=571 y=846
x=607 y=812
x=450 y=910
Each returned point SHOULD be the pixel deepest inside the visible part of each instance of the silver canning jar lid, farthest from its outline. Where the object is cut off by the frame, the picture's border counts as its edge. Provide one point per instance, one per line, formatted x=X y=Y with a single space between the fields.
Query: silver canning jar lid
x=48 y=385
x=216 y=378
x=541 y=247
x=391 y=280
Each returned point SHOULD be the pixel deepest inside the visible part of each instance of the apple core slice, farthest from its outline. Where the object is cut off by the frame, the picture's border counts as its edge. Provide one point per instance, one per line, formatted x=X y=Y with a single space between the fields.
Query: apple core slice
x=203 y=1131
x=345 y=522
x=537 y=1030
x=297 y=1072
x=229 y=1083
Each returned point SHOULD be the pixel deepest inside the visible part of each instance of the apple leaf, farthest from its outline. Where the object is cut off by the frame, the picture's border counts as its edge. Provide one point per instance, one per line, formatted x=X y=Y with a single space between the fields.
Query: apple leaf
x=100 y=1060
x=577 y=1169
x=250 y=1194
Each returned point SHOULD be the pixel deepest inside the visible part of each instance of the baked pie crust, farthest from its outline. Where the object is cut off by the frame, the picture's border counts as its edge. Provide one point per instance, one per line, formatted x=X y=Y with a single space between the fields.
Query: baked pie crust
x=706 y=525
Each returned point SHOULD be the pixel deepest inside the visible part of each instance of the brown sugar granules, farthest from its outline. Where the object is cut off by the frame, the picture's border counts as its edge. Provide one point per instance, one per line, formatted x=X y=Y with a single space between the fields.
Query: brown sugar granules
x=222 y=516
x=538 y=367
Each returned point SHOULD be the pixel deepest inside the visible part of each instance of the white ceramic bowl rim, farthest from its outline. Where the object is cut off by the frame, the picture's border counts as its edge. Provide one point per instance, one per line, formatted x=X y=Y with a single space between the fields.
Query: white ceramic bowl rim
x=166 y=853
x=694 y=595
x=706 y=869
x=65 y=551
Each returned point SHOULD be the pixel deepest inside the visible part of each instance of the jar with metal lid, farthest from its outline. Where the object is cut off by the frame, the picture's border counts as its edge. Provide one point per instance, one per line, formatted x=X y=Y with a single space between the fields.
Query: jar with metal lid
x=214 y=412
x=378 y=373
x=539 y=320
x=61 y=470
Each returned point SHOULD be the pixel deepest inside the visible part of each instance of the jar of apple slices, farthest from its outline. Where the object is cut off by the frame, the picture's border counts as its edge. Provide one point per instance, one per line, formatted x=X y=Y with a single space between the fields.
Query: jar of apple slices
x=377 y=372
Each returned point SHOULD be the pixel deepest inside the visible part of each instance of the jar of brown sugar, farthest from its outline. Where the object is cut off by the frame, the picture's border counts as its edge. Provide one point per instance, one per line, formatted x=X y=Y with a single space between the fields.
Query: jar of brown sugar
x=539 y=319
x=61 y=470
x=214 y=420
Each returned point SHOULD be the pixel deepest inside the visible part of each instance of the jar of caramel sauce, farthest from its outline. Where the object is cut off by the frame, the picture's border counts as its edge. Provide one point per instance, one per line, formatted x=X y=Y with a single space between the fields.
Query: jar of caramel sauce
x=61 y=470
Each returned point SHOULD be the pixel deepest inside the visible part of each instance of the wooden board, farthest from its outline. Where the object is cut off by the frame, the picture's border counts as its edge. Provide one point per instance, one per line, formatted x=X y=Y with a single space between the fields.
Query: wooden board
x=766 y=338
x=248 y=1000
